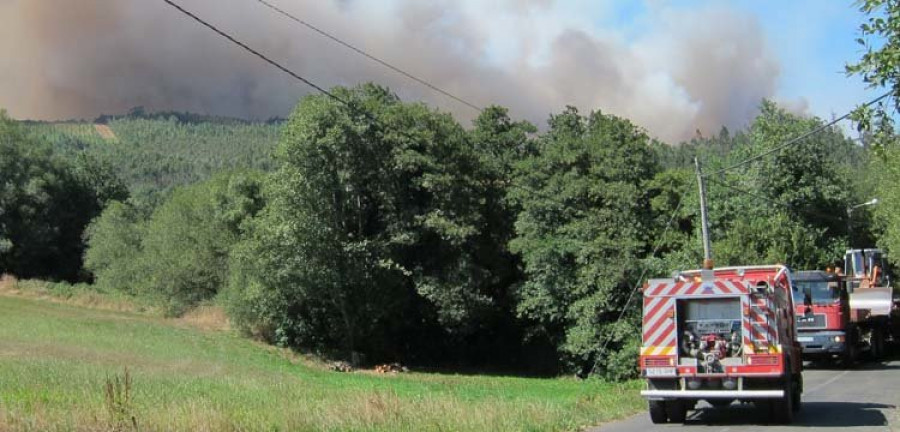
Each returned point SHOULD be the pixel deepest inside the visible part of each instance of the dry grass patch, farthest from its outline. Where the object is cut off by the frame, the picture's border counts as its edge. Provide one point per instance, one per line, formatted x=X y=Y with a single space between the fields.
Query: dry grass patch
x=207 y=317
x=8 y=284
x=66 y=294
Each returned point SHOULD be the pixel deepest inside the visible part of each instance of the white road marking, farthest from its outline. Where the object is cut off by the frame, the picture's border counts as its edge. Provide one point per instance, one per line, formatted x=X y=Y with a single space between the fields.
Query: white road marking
x=830 y=380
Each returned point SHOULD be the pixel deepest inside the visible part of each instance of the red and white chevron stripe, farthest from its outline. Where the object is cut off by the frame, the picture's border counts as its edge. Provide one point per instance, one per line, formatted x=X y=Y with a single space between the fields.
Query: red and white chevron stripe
x=659 y=326
x=672 y=288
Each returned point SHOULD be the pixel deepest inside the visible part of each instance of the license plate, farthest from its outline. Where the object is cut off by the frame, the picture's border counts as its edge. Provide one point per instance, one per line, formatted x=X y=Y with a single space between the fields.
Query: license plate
x=804 y=339
x=659 y=371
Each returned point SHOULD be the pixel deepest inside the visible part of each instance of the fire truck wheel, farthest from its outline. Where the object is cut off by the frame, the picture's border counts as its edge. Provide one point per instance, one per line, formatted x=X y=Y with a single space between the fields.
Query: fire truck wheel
x=877 y=344
x=658 y=412
x=677 y=411
x=847 y=359
x=782 y=410
x=796 y=392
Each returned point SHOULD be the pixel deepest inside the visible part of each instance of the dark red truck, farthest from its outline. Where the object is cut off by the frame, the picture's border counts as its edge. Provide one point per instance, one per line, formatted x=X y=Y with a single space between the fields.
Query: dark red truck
x=843 y=314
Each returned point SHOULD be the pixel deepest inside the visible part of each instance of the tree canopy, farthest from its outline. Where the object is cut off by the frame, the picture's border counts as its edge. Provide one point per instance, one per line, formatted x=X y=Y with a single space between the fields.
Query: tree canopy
x=380 y=230
x=45 y=204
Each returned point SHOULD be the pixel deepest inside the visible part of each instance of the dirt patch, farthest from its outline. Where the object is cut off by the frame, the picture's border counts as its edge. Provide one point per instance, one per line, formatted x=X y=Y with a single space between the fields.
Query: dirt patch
x=105 y=132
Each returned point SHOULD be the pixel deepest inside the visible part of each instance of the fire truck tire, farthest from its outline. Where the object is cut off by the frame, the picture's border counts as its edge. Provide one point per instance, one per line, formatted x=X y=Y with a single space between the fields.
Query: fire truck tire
x=877 y=344
x=676 y=411
x=848 y=358
x=796 y=393
x=782 y=410
x=658 y=412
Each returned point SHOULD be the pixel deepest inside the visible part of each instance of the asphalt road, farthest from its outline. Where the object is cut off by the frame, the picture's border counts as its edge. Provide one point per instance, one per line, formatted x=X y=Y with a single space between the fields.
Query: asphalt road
x=866 y=398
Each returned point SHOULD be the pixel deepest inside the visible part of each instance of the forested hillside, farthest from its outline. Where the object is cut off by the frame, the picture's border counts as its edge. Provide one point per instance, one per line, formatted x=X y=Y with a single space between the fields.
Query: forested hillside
x=154 y=153
x=403 y=235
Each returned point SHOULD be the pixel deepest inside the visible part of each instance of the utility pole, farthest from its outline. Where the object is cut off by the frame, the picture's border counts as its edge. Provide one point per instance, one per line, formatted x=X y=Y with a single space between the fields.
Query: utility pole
x=704 y=219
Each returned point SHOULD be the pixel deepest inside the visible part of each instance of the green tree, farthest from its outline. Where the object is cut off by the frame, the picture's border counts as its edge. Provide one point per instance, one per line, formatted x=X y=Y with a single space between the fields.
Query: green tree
x=188 y=239
x=879 y=67
x=45 y=205
x=114 y=246
x=178 y=257
x=885 y=173
x=675 y=206
x=582 y=231
x=794 y=212
x=370 y=231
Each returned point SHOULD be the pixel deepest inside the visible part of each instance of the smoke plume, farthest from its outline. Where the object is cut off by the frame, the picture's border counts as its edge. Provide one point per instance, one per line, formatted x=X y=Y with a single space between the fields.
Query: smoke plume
x=688 y=70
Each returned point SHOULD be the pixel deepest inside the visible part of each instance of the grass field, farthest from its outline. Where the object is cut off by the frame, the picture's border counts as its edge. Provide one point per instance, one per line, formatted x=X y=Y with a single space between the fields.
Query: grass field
x=62 y=367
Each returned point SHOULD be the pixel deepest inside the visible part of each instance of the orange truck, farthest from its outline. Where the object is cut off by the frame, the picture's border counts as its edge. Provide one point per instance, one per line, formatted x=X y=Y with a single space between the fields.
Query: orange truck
x=721 y=335
x=874 y=316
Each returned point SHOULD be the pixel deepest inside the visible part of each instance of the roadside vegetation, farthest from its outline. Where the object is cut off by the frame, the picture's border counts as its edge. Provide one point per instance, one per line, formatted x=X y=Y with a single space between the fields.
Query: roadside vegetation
x=68 y=367
x=401 y=236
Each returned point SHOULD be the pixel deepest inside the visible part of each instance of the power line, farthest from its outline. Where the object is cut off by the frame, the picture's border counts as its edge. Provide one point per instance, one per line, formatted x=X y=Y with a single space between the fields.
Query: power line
x=796 y=139
x=309 y=83
x=788 y=206
x=634 y=288
x=369 y=56
x=369 y=116
x=256 y=53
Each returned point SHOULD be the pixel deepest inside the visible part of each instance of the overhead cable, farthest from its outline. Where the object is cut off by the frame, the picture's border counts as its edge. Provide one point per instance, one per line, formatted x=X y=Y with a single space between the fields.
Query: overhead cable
x=787 y=206
x=369 y=56
x=637 y=284
x=257 y=53
x=796 y=139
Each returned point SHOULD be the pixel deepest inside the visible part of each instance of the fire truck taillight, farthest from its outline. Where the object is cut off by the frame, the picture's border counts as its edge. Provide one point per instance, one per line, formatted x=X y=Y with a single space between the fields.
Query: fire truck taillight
x=659 y=361
x=762 y=360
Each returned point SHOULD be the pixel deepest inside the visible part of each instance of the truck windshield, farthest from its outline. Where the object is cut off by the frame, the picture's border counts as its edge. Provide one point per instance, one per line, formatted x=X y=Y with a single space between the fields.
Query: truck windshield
x=819 y=291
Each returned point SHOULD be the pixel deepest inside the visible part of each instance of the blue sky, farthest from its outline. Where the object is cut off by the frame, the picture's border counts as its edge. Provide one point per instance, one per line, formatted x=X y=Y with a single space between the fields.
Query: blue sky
x=695 y=63
x=812 y=39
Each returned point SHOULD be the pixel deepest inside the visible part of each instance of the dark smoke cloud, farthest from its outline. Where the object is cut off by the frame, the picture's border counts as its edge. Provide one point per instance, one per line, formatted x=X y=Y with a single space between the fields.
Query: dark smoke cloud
x=698 y=69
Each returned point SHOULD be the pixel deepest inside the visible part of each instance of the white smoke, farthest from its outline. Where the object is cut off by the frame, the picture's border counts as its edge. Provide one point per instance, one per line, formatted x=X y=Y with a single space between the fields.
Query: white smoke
x=681 y=71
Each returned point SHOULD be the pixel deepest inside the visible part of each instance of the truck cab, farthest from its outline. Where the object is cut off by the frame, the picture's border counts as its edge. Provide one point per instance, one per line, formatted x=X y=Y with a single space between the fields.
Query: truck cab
x=822 y=310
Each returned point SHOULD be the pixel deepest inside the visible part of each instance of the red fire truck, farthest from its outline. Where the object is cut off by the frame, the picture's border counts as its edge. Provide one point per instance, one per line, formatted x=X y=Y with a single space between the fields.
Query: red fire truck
x=721 y=335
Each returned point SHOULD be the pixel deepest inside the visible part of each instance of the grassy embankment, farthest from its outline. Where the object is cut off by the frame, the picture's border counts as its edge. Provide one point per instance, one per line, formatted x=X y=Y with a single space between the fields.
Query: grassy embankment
x=62 y=368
